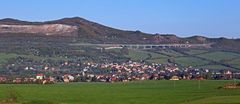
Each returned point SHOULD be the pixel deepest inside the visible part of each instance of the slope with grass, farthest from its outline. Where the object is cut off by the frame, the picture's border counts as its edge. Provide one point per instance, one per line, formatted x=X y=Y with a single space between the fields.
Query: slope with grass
x=199 y=58
x=190 y=61
x=219 y=55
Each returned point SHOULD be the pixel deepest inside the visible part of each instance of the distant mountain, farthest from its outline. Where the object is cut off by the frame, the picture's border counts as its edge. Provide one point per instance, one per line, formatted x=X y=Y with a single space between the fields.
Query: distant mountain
x=91 y=32
x=10 y=21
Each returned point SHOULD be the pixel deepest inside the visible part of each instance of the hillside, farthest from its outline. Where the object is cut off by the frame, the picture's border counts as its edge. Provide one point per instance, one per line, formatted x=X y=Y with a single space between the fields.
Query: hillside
x=37 y=44
x=83 y=30
x=86 y=30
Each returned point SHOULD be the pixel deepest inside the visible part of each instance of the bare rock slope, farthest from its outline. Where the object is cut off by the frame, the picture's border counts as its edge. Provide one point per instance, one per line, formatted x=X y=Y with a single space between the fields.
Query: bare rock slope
x=46 y=29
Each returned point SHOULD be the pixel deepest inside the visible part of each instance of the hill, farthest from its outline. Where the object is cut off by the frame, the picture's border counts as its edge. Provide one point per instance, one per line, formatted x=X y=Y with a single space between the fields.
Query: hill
x=24 y=43
x=82 y=28
x=91 y=32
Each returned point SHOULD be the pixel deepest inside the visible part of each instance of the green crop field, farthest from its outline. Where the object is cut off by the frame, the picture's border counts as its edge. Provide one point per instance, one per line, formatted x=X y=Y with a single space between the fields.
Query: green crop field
x=190 y=61
x=198 y=58
x=4 y=57
x=143 y=55
x=235 y=62
x=218 y=56
x=195 y=51
x=137 y=55
x=170 y=53
x=147 y=92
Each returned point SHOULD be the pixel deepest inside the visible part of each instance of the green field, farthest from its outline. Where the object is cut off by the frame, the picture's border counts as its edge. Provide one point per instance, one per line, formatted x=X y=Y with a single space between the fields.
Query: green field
x=218 y=56
x=143 y=55
x=196 y=57
x=235 y=62
x=170 y=53
x=147 y=92
x=4 y=57
x=190 y=61
x=195 y=51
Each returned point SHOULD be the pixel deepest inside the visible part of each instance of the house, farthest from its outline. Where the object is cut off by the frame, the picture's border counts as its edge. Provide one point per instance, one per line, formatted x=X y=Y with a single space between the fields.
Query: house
x=3 y=79
x=228 y=74
x=69 y=77
x=66 y=80
x=40 y=76
x=51 y=79
x=174 y=78
x=17 y=80
x=200 y=78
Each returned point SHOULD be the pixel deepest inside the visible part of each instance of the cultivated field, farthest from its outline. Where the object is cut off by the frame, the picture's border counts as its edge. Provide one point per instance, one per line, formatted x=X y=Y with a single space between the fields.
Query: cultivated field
x=199 y=58
x=148 y=92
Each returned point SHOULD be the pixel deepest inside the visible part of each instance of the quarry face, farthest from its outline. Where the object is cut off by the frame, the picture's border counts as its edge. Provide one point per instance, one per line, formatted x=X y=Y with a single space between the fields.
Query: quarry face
x=46 y=29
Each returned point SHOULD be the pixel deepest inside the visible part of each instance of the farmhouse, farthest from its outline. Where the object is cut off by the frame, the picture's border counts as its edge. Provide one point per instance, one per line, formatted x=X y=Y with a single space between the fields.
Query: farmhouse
x=3 y=79
x=40 y=76
x=17 y=80
x=175 y=78
x=228 y=74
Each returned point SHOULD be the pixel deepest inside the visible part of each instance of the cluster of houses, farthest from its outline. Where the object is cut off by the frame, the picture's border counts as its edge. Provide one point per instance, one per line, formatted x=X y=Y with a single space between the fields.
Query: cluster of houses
x=116 y=72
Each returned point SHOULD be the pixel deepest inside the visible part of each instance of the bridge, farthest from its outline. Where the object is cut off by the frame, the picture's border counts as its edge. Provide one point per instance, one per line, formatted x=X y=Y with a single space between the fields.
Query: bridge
x=142 y=46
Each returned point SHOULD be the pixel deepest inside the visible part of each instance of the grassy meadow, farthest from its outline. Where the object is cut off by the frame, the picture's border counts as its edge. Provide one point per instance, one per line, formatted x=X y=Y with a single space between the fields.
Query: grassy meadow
x=147 y=92
x=198 y=58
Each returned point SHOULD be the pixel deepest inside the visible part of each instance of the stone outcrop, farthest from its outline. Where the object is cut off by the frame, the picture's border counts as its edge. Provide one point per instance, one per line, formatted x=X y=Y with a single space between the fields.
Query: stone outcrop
x=45 y=29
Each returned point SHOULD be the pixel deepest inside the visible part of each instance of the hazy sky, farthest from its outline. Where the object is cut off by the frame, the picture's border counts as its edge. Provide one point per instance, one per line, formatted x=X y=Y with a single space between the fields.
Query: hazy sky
x=212 y=18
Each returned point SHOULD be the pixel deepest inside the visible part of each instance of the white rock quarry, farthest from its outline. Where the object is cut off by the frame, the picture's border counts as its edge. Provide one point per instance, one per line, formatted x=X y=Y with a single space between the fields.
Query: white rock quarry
x=46 y=29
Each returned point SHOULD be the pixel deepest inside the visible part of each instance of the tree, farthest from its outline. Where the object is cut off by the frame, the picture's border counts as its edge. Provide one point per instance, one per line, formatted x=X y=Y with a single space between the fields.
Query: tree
x=124 y=51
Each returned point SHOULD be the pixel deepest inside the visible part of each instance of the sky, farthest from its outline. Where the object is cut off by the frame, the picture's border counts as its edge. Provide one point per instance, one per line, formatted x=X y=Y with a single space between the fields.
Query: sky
x=211 y=18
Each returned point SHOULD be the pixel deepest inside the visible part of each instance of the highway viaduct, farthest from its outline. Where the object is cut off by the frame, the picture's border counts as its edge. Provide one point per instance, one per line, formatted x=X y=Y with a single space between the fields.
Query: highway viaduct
x=142 y=46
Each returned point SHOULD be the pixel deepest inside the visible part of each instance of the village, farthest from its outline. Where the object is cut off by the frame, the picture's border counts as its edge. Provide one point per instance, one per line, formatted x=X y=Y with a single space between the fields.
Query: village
x=69 y=71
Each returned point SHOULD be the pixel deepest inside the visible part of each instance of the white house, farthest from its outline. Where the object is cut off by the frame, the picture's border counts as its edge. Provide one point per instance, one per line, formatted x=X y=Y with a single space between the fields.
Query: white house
x=40 y=76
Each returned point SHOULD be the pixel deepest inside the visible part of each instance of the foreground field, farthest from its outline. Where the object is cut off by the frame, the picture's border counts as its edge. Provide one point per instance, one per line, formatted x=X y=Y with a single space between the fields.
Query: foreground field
x=151 y=92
